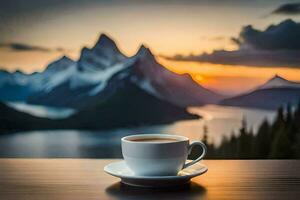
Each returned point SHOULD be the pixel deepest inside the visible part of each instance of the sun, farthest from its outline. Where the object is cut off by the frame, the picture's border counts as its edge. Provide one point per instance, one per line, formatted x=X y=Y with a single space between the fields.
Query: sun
x=198 y=78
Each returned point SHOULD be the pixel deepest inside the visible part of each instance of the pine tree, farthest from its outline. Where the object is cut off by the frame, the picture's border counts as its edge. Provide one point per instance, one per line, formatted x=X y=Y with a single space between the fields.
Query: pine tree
x=291 y=129
x=244 y=142
x=278 y=123
x=205 y=132
x=233 y=146
x=197 y=149
x=210 y=147
x=224 y=149
x=251 y=139
x=296 y=129
x=262 y=141
x=281 y=145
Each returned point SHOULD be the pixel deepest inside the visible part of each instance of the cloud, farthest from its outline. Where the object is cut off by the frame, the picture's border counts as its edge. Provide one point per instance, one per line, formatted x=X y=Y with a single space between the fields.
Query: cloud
x=288 y=9
x=285 y=35
x=276 y=46
x=281 y=58
x=26 y=47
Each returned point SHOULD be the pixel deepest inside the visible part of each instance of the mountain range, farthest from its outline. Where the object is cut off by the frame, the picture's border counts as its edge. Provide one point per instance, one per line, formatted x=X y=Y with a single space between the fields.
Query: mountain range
x=99 y=73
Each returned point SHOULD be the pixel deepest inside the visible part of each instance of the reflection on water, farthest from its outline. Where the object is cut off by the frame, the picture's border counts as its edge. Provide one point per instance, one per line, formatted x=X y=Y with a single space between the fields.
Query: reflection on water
x=106 y=143
x=187 y=191
x=65 y=143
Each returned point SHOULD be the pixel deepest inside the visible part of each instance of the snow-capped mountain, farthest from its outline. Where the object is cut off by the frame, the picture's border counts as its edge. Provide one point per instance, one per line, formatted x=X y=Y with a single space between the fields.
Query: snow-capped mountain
x=54 y=74
x=88 y=76
x=142 y=70
x=276 y=92
x=93 y=68
x=180 y=90
x=59 y=65
x=103 y=67
x=103 y=55
x=18 y=86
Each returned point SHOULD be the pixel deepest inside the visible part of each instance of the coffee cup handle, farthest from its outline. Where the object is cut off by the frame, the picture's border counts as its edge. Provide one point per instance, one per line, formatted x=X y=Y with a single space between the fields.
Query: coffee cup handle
x=204 y=149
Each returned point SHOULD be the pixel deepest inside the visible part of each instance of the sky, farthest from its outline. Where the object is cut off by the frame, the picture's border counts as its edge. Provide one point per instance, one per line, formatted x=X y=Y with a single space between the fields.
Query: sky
x=217 y=42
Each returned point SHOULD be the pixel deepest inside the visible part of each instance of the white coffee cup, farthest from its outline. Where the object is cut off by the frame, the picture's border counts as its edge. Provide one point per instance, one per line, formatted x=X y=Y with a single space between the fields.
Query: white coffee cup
x=158 y=154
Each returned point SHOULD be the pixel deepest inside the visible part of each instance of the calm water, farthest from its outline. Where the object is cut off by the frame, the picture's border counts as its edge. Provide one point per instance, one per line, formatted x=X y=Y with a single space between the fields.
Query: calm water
x=221 y=121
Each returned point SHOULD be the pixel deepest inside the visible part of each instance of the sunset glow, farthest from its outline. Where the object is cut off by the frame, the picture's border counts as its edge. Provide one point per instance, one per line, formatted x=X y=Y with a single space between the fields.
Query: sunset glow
x=224 y=78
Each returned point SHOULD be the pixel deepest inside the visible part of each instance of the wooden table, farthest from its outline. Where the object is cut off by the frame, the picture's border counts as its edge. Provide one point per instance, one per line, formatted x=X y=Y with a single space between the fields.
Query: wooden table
x=73 y=179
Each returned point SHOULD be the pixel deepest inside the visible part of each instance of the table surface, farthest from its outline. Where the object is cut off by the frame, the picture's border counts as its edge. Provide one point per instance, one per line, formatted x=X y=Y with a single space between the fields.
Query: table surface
x=73 y=179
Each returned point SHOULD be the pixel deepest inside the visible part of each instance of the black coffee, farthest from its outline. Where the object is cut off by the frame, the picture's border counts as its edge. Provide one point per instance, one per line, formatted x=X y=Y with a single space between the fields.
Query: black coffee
x=158 y=140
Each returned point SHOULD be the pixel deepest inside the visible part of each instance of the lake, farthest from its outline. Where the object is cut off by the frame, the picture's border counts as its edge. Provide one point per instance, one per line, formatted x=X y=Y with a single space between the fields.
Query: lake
x=221 y=122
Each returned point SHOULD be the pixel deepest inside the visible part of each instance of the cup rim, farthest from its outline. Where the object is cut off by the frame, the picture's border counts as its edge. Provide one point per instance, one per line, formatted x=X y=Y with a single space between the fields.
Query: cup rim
x=178 y=138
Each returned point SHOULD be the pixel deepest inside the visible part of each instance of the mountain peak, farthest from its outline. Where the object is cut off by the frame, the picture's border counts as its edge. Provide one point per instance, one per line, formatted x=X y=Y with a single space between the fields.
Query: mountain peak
x=60 y=64
x=105 y=41
x=278 y=82
x=144 y=51
x=276 y=76
x=64 y=58
x=19 y=72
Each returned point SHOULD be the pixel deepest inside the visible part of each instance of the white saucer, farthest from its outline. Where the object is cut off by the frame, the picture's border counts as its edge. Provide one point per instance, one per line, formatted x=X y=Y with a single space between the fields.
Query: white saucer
x=121 y=170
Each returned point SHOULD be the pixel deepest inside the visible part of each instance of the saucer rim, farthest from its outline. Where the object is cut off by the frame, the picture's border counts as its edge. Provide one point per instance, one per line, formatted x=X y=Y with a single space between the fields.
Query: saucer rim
x=188 y=176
